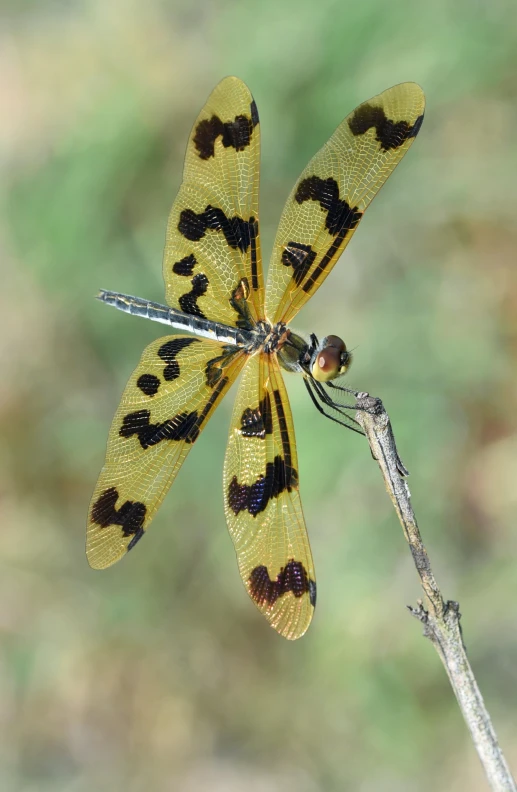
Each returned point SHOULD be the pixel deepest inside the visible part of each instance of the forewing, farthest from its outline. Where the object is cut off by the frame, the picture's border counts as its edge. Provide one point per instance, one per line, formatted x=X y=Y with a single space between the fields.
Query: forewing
x=166 y=404
x=212 y=264
x=262 y=501
x=332 y=193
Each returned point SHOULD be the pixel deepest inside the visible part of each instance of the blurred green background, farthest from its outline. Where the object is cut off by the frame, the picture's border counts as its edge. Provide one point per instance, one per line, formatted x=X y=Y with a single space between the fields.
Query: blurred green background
x=159 y=674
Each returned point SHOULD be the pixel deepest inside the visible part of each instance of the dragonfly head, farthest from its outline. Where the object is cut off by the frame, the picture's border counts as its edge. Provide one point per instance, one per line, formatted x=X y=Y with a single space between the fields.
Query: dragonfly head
x=330 y=358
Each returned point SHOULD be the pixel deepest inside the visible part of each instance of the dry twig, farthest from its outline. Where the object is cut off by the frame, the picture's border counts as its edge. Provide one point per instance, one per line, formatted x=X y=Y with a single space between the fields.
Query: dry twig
x=442 y=619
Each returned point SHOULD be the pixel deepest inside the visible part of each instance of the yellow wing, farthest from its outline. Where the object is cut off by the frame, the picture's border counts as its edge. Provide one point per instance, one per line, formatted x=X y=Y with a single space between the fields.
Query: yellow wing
x=262 y=501
x=333 y=191
x=166 y=404
x=212 y=265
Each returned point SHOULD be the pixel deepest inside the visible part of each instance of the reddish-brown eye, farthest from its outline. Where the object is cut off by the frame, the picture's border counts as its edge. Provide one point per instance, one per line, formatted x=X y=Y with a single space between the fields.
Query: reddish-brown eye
x=326 y=364
x=331 y=361
x=335 y=341
x=328 y=360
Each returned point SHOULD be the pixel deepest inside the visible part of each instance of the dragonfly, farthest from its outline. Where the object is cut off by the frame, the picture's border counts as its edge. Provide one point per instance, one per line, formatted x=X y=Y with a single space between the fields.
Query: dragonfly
x=234 y=324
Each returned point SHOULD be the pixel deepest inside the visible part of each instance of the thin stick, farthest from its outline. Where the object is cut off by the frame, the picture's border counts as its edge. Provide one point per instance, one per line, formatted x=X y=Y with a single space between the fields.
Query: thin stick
x=442 y=619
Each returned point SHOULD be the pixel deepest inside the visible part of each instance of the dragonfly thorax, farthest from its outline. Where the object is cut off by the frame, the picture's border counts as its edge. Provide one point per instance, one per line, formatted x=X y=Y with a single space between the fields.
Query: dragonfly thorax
x=269 y=338
x=276 y=337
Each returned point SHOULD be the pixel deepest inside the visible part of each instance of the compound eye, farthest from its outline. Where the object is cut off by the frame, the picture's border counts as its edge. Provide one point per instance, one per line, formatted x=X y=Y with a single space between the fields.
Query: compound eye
x=327 y=364
x=332 y=360
x=334 y=341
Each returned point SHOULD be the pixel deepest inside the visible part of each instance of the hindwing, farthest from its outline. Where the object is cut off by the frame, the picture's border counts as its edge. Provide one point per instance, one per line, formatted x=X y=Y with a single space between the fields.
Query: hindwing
x=262 y=501
x=167 y=402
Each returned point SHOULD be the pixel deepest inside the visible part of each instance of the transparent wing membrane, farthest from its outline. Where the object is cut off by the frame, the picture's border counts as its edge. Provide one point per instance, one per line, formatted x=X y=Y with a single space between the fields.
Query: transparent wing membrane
x=332 y=193
x=212 y=265
x=167 y=402
x=262 y=501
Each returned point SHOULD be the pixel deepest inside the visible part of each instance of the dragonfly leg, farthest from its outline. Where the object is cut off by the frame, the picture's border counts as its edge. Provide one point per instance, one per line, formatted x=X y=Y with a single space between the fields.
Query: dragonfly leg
x=314 y=396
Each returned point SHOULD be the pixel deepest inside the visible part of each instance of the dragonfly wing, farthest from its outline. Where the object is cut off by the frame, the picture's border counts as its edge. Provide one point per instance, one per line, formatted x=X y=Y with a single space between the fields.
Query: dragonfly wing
x=262 y=501
x=332 y=193
x=212 y=264
x=167 y=402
